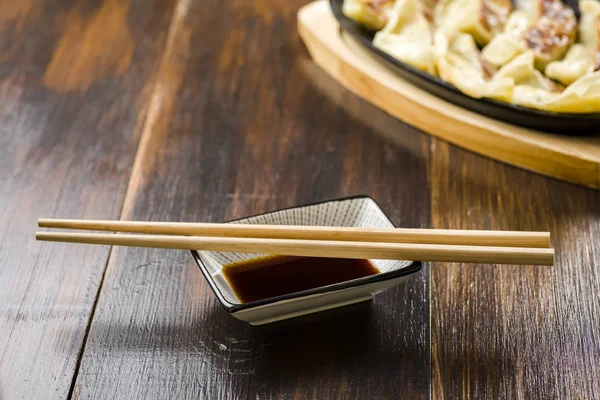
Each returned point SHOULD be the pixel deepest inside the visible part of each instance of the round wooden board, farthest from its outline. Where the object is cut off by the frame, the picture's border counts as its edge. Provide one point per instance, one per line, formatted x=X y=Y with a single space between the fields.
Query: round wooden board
x=571 y=158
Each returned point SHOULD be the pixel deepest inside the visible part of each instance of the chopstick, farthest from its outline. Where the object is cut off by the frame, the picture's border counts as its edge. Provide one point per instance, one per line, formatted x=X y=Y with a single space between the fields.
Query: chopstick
x=319 y=248
x=390 y=235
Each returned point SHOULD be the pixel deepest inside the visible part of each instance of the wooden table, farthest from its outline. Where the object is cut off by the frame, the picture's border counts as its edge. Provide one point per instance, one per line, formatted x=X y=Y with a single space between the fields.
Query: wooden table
x=205 y=111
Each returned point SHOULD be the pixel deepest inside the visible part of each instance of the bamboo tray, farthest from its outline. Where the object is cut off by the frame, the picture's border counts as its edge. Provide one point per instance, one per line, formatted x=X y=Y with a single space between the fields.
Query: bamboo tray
x=574 y=159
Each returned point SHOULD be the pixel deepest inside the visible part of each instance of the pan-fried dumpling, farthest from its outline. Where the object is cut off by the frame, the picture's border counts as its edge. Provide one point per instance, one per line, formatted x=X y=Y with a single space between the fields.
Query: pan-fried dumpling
x=529 y=96
x=582 y=96
x=552 y=33
x=373 y=14
x=462 y=67
x=407 y=18
x=465 y=47
x=507 y=45
x=522 y=70
x=482 y=19
x=502 y=49
x=576 y=64
x=413 y=52
x=532 y=88
x=582 y=57
x=408 y=36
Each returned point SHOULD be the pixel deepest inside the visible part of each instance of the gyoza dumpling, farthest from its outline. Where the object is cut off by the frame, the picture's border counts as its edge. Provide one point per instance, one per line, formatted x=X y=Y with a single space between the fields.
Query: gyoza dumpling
x=522 y=70
x=373 y=14
x=407 y=18
x=507 y=45
x=462 y=67
x=552 y=33
x=482 y=19
x=576 y=64
x=582 y=57
x=532 y=88
x=582 y=96
x=502 y=49
x=408 y=36
x=528 y=96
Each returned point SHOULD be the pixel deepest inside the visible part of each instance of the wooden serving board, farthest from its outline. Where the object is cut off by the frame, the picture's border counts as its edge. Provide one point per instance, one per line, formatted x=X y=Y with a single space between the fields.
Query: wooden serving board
x=571 y=158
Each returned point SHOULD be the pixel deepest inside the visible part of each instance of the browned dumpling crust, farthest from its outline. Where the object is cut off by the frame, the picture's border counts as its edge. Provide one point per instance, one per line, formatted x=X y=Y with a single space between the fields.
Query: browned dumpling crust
x=494 y=14
x=553 y=33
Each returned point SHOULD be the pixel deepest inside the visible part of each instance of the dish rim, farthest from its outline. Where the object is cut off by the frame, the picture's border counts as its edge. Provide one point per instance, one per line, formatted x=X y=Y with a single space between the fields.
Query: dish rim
x=410 y=269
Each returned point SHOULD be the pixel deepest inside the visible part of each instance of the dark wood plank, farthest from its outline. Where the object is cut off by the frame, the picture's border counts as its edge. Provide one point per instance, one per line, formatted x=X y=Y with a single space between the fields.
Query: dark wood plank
x=515 y=332
x=73 y=78
x=242 y=123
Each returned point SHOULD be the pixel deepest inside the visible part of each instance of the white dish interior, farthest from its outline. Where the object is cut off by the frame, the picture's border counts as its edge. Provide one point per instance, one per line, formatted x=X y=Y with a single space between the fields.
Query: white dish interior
x=357 y=212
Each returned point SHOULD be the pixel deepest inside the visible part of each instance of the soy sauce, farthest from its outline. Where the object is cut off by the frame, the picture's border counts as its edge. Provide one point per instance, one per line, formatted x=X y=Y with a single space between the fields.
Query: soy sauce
x=279 y=275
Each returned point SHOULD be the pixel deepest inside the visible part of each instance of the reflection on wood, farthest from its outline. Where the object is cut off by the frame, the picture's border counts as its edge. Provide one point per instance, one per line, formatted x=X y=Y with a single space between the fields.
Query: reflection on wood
x=61 y=154
x=507 y=333
x=244 y=136
x=213 y=116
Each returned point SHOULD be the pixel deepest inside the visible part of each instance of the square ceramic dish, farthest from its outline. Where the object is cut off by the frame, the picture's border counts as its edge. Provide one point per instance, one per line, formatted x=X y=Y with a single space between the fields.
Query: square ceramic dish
x=361 y=211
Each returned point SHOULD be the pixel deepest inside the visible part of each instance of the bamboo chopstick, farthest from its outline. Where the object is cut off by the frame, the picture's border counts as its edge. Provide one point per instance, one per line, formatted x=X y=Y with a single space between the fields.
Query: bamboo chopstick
x=393 y=235
x=319 y=248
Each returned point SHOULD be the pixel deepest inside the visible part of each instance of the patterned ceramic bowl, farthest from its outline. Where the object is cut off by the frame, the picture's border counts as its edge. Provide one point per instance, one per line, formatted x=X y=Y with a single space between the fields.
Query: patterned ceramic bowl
x=359 y=211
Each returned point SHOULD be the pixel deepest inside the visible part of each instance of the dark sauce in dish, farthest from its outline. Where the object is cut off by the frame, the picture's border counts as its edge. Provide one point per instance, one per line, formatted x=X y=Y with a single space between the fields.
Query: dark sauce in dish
x=267 y=277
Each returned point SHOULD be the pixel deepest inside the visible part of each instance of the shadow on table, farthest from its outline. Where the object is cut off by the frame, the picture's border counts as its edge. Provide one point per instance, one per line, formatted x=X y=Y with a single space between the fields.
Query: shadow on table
x=346 y=342
x=355 y=343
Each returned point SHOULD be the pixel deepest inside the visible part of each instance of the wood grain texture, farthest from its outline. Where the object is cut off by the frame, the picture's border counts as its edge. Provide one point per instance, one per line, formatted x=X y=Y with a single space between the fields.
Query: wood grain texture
x=571 y=158
x=206 y=111
x=506 y=332
x=237 y=126
x=62 y=152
